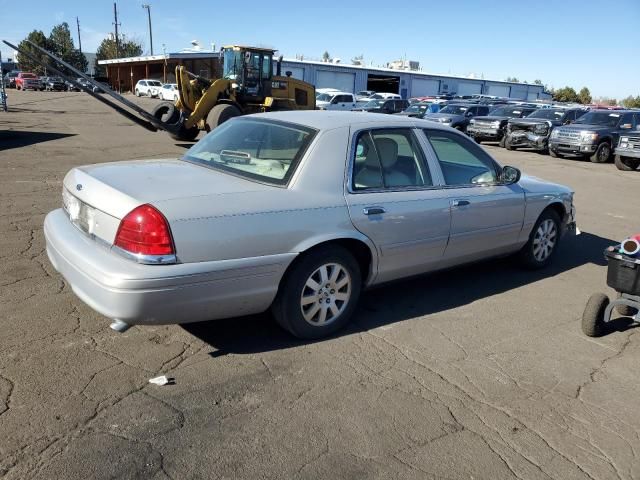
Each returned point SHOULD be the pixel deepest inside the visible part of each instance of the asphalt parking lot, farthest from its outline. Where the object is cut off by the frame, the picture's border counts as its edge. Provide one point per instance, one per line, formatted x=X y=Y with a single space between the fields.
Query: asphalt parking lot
x=480 y=372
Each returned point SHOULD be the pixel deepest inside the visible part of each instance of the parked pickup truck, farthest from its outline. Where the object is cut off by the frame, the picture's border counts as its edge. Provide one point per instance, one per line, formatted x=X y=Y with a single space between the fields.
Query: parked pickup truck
x=492 y=127
x=594 y=135
x=628 y=151
x=534 y=130
x=26 y=81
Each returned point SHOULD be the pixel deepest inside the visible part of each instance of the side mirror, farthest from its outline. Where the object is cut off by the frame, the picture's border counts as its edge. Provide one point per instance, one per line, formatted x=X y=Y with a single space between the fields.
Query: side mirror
x=626 y=126
x=510 y=175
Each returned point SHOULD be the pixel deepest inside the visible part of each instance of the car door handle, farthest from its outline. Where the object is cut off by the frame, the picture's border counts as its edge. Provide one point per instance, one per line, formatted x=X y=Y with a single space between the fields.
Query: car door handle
x=461 y=203
x=373 y=210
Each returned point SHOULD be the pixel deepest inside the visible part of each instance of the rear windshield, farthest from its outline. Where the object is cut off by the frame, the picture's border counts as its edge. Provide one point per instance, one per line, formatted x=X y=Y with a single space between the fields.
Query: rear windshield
x=262 y=150
x=548 y=113
x=454 y=109
x=506 y=112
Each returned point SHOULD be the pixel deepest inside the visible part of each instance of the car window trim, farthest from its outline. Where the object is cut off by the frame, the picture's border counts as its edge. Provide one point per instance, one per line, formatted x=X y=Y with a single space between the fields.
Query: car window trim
x=351 y=152
x=496 y=165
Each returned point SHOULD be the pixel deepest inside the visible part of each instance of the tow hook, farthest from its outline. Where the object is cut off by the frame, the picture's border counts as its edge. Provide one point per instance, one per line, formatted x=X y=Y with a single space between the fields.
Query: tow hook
x=119 y=326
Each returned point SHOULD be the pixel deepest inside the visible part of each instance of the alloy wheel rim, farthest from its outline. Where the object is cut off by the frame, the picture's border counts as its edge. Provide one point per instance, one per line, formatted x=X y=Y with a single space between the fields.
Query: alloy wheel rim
x=545 y=240
x=325 y=294
x=604 y=153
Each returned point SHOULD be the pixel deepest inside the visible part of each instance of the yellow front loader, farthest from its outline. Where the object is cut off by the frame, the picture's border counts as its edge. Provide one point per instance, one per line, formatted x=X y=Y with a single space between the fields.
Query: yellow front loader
x=248 y=85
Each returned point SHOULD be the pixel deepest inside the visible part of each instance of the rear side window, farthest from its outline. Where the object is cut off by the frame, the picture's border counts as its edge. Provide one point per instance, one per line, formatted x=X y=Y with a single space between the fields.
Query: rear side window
x=462 y=161
x=389 y=158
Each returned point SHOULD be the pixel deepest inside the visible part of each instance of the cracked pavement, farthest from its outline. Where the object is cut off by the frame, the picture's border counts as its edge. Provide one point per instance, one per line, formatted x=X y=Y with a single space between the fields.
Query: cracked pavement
x=480 y=372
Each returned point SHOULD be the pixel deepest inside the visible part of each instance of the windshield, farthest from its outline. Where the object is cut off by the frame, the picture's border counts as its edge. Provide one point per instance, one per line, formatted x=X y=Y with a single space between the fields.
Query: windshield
x=417 y=108
x=232 y=64
x=506 y=112
x=261 y=150
x=28 y=75
x=154 y=83
x=548 y=114
x=374 y=104
x=454 y=109
x=324 y=97
x=599 y=118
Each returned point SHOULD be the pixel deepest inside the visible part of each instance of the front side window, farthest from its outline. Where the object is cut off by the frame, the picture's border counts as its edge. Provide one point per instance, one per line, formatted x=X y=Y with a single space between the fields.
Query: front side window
x=232 y=64
x=267 y=65
x=260 y=150
x=389 y=158
x=462 y=161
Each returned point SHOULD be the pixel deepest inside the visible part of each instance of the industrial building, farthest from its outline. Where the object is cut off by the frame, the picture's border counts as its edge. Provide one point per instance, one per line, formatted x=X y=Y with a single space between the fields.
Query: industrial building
x=123 y=73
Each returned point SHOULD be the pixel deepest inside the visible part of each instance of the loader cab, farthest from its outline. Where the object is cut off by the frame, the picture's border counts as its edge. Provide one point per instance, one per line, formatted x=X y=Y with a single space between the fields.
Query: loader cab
x=251 y=69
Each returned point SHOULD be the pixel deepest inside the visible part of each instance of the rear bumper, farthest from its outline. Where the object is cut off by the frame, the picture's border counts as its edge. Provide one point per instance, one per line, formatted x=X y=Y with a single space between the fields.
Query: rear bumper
x=160 y=294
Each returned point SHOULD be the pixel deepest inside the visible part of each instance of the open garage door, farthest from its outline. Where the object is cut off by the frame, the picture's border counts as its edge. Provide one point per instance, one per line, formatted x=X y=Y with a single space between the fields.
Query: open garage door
x=469 y=88
x=296 y=72
x=532 y=96
x=499 y=90
x=421 y=87
x=340 y=80
x=519 y=92
x=383 y=83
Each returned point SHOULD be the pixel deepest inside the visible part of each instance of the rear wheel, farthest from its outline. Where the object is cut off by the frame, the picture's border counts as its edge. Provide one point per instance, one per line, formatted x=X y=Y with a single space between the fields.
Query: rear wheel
x=593 y=316
x=319 y=294
x=626 y=164
x=602 y=153
x=220 y=114
x=506 y=144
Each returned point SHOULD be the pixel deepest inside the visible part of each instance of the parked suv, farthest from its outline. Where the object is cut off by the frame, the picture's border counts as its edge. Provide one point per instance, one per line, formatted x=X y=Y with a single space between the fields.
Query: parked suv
x=10 y=79
x=458 y=115
x=384 y=106
x=147 y=87
x=26 y=81
x=534 y=130
x=594 y=135
x=336 y=101
x=493 y=127
x=54 y=84
x=628 y=150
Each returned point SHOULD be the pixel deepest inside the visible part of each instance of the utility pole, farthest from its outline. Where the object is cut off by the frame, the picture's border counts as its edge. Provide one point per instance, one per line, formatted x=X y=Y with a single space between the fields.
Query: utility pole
x=148 y=7
x=115 y=23
x=3 y=93
x=79 y=39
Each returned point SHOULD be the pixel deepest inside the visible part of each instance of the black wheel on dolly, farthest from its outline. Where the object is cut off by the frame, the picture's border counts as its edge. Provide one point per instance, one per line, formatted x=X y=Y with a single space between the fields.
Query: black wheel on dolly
x=626 y=310
x=593 y=316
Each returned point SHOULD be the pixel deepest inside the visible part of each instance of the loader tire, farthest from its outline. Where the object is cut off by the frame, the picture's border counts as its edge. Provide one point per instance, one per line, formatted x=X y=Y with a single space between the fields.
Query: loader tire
x=166 y=112
x=220 y=114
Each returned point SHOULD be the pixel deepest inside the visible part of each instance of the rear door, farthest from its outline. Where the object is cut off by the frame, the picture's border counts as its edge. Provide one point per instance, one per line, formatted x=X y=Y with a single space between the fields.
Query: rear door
x=393 y=200
x=486 y=217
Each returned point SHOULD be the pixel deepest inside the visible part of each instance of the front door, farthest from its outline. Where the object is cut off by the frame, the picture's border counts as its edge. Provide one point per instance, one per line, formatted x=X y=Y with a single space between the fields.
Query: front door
x=393 y=201
x=486 y=217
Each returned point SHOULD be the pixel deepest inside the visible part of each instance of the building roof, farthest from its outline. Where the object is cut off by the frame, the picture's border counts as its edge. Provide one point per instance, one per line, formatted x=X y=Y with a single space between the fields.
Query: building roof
x=161 y=57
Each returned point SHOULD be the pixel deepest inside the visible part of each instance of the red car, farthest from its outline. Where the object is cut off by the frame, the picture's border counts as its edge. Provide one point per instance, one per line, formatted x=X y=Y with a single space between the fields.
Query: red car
x=26 y=81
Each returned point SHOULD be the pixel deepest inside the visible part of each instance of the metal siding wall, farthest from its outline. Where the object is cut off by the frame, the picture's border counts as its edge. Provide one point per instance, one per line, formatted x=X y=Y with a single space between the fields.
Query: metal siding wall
x=519 y=92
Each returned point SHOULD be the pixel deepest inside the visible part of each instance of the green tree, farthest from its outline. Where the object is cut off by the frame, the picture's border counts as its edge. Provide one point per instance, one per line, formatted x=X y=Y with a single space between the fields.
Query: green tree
x=584 y=96
x=538 y=82
x=631 y=101
x=512 y=79
x=566 y=94
x=325 y=56
x=28 y=65
x=107 y=50
x=61 y=43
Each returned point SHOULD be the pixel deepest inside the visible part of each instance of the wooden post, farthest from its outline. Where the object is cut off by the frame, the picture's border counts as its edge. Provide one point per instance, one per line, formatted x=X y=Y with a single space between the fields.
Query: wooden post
x=146 y=70
x=164 y=72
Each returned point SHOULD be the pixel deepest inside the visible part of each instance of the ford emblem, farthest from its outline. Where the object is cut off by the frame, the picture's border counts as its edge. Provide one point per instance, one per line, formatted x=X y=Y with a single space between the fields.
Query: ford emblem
x=79 y=187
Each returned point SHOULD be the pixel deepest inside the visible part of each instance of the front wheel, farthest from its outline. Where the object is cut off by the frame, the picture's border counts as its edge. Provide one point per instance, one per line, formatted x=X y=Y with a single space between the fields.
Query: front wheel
x=593 y=316
x=137 y=92
x=503 y=141
x=220 y=114
x=543 y=241
x=626 y=164
x=602 y=153
x=319 y=294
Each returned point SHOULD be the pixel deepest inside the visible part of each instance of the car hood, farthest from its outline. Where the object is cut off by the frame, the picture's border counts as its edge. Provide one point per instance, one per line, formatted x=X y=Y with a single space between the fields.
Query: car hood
x=492 y=119
x=582 y=127
x=531 y=184
x=436 y=116
x=117 y=188
x=534 y=121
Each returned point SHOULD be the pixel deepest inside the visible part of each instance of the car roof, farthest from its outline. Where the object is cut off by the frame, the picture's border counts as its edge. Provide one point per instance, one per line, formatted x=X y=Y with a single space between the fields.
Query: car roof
x=330 y=119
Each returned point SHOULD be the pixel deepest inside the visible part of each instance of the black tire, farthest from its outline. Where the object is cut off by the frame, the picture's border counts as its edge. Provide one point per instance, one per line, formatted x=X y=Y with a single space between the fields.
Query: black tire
x=593 y=316
x=137 y=92
x=503 y=141
x=287 y=307
x=478 y=141
x=554 y=154
x=185 y=135
x=220 y=114
x=527 y=255
x=602 y=153
x=508 y=146
x=166 y=112
x=626 y=164
x=626 y=310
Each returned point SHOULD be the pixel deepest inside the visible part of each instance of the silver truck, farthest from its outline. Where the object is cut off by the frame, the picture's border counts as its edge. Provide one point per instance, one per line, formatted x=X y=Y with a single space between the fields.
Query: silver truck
x=628 y=151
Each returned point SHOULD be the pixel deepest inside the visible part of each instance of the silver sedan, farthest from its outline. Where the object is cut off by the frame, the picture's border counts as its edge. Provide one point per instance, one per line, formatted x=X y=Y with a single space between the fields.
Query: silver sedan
x=296 y=212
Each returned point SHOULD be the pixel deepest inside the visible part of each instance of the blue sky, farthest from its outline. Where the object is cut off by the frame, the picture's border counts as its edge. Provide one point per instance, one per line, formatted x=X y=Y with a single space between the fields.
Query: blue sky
x=563 y=42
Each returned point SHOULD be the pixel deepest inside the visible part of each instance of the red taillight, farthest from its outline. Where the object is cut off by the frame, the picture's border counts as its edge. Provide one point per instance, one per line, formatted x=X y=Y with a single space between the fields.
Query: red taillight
x=144 y=230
